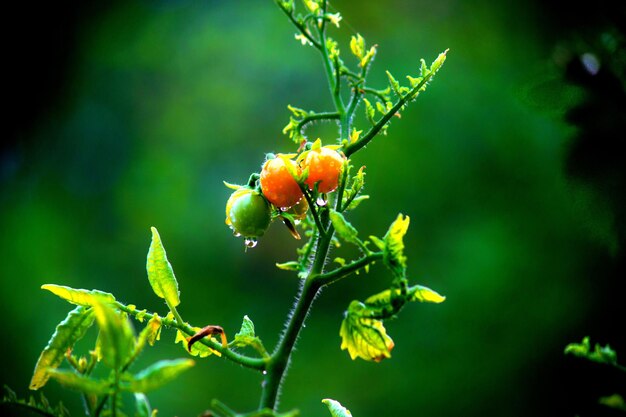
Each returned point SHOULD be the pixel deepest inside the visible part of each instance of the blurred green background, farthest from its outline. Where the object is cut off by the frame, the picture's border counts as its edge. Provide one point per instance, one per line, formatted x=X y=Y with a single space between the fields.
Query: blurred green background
x=128 y=115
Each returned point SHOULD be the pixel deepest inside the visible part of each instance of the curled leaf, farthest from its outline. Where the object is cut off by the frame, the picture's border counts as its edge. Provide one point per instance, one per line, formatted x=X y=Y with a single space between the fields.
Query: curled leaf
x=364 y=337
x=336 y=409
x=393 y=253
x=415 y=293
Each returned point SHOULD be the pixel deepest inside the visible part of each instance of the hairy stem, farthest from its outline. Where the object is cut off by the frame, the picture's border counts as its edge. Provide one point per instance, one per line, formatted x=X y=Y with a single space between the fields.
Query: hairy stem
x=248 y=362
x=385 y=119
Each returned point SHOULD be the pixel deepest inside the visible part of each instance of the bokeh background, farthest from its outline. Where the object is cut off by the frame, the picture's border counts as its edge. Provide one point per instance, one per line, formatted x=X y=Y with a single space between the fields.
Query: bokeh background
x=126 y=115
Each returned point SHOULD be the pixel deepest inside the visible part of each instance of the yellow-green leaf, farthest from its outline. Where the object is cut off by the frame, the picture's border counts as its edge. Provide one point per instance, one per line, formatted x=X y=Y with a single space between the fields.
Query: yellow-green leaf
x=72 y=380
x=289 y=266
x=600 y=354
x=343 y=228
x=247 y=337
x=438 y=62
x=357 y=46
x=415 y=293
x=425 y=295
x=336 y=409
x=68 y=332
x=86 y=298
x=393 y=254
x=157 y=375
x=116 y=341
x=160 y=272
x=615 y=401
x=364 y=337
x=150 y=334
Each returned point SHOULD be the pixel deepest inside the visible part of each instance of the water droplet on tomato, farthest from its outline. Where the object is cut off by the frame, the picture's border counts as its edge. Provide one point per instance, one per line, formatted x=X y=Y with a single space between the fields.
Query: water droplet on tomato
x=250 y=242
x=321 y=201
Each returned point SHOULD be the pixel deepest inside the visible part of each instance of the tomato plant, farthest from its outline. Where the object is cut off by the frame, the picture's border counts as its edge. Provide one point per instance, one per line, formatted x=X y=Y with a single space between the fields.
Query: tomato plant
x=318 y=189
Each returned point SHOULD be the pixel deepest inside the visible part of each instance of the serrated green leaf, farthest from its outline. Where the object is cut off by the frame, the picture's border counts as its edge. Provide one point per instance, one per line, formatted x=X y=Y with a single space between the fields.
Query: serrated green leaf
x=578 y=349
x=68 y=332
x=85 y=298
x=81 y=383
x=600 y=354
x=343 y=228
x=395 y=86
x=438 y=62
x=381 y=108
x=364 y=337
x=336 y=409
x=414 y=81
x=157 y=375
x=393 y=252
x=116 y=341
x=247 y=337
x=160 y=272
x=423 y=68
x=247 y=328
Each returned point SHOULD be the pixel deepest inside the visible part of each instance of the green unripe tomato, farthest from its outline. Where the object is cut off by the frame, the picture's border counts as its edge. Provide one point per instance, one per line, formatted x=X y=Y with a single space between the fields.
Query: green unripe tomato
x=248 y=213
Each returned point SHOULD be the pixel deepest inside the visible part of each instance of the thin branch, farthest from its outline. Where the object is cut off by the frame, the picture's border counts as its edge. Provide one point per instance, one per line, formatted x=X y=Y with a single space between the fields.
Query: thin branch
x=299 y=26
x=247 y=361
x=315 y=117
x=385 y=119
x=344 y=271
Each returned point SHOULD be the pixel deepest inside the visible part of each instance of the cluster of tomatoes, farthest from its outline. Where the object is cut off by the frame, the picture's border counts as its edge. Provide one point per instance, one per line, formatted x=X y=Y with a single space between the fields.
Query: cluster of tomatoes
x=280 y=189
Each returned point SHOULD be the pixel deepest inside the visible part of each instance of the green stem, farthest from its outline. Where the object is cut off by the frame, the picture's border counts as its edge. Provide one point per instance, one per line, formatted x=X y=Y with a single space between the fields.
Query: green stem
x=313 y=207
x=339 y=273
x=172 y=308
x=248 y=362
x=314 y=117
x=280 y=358
x=299 y=26
x=385 y=119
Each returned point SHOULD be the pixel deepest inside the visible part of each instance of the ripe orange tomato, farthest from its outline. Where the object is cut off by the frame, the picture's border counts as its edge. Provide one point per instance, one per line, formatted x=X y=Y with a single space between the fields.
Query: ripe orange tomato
x=277 y=183
x=325 y=167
